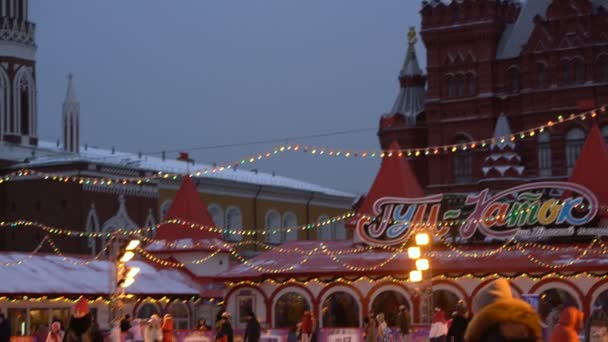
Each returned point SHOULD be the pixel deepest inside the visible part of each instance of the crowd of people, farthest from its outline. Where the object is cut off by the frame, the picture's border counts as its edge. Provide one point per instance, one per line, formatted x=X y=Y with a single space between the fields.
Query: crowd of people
x=495 y=316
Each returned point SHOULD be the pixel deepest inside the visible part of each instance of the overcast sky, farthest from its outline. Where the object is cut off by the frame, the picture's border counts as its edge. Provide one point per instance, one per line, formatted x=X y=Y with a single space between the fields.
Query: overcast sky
x=156 y=75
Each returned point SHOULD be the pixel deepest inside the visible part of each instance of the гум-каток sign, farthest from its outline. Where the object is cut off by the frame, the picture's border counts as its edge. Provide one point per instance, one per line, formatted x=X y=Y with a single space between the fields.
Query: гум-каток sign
x=560 y=205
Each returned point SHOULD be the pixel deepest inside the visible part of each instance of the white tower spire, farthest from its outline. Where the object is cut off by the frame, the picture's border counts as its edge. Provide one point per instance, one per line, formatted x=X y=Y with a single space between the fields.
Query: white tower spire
x=71 y=118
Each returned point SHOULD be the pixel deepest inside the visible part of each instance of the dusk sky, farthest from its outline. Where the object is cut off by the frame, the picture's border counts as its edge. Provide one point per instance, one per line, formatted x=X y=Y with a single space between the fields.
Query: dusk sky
x=155 y=75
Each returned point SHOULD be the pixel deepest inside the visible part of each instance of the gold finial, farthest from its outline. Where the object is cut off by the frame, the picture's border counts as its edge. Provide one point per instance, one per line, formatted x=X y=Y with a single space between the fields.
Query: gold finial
x=412 y=37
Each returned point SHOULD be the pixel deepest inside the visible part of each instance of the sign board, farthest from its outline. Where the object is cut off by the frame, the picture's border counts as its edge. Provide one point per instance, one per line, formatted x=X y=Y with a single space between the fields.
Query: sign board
x=535 y=210
x=341 y=334
x=532 y=299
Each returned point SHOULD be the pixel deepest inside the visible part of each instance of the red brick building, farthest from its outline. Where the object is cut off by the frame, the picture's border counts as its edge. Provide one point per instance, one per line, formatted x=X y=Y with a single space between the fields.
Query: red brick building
x=530 y=61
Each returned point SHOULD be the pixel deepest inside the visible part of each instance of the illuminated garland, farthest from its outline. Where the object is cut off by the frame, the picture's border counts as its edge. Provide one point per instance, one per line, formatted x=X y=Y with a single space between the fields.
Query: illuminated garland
x=158 y=260
x=98 y=300
x=31 y=255
x=554 y=266
x=137 y=231
x=58 y=252
x=358 y=268
x=312 y=150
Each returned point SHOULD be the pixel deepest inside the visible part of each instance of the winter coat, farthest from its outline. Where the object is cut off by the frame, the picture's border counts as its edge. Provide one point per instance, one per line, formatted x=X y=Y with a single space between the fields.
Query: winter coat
x=153 y=333
x=404 y=322
x=79 y=329
x=568 y=326
x=439 y=327
x=225 y=330
x=252 y=331
x=504 y=319
x=457 y=329
x=5 y=331
x=371 y=330
x=168 y=329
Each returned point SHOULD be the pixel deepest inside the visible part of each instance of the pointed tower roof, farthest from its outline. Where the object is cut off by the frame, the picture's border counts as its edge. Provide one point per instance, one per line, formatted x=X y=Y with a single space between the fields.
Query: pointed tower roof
x=412 y=95
x=70 y=95
x=592 y=165
x=502 y=131
x=395 y=178
x=503 y=160
x=188 y=206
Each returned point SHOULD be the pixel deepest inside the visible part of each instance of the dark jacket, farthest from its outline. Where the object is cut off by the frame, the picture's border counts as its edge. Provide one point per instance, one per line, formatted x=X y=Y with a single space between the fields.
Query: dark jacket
x=404 y=322
x=225 y=330
x=125 y=325
x=457 y=329
x=79 y=330
x=5 y=331
x=252 y=331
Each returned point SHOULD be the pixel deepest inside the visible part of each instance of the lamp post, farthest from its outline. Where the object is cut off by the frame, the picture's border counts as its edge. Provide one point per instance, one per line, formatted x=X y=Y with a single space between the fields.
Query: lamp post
x=423 y=267
x=121 y=275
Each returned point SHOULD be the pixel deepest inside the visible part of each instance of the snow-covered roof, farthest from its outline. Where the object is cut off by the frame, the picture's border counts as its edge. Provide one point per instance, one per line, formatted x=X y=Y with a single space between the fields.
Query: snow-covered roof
x=61 y=275
x=516 y=35
x=49 y=153
x=212 y=245
x=502 y=133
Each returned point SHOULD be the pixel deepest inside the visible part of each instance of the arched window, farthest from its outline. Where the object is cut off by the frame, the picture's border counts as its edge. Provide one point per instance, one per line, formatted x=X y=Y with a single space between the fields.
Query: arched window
x=4 y=90
x=340 y=310
x=340 y=230
x=605 y=133
x=575 y=138
x=325 y=232
x=388 y=303
x=180 y=314
x=541 y=75
x=579 y=71
x=471 y=84
x=164 y=209
x=217 y=215
x=290 y=221
x=451 y=86
x=274 y=234
x=463 y=163
x=24 y=100
x=289 y=310
x=604 y=69
x=234 y=223
x=514 y=80
x=598 y=320
x=460 y=85
x=147 y=310
x=544 y=154
x=552 y=302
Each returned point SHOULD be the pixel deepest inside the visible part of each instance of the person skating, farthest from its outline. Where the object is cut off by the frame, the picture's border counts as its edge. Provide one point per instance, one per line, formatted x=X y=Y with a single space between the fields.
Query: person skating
x=253 y=330
x=225 y=332
x=404 y=322
x=568 y=326
x=459 y=325
x=5 y=329
x=55 y=334
x=384 y=332
x=371 y=328
x=80 y=328
x=167 y=328
x=306 y=327
x=154 y=331
x=439 y=327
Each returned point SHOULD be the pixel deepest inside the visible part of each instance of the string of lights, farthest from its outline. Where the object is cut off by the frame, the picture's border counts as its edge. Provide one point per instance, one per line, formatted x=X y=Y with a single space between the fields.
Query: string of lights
x=31 y=255
x=351 y=267
x=311 y=150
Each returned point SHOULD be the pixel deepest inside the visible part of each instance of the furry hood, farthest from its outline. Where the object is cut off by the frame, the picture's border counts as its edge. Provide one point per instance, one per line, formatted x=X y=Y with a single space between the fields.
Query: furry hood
x=513 y=316
x=497 y=290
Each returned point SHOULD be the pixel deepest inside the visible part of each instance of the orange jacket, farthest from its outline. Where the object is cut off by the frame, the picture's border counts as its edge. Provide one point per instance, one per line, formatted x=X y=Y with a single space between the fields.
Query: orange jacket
x=568 y=326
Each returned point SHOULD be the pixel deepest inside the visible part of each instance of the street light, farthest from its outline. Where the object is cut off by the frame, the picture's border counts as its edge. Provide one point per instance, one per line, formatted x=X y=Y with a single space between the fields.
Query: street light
x=422 y=264
x=415 y=276
x=127 y=256
x=414 y=252
x=132 y=245
x=422 y=239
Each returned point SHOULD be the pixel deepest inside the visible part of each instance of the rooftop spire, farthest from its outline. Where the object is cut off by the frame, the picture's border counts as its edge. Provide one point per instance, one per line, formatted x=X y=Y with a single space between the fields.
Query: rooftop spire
x=412 y=95
x=503 y=160
x=502 y=133
x=70 y=96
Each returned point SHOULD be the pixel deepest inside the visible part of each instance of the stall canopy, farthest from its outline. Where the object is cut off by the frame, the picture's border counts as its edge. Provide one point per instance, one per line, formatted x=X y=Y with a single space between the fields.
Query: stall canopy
x=592 y=165
x=278 y=263
x=189 y=208
x=53 y=275
x=394 y=178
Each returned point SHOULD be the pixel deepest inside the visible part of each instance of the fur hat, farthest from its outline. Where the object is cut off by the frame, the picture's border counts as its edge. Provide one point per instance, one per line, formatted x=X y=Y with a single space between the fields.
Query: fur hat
x=497 y=290
x=511 y=318
x=82 y=307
